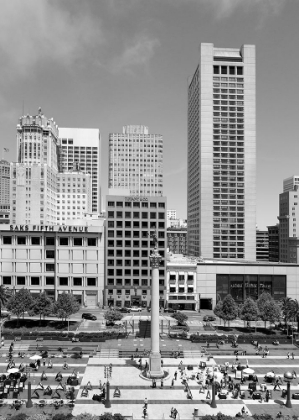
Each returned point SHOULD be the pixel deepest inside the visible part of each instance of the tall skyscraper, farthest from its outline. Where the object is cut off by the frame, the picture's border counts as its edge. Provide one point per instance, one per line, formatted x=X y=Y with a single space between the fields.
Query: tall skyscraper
x=222 y=154
x=40 y=193
x=81 y=150
x=136 y=161
x=4 y=191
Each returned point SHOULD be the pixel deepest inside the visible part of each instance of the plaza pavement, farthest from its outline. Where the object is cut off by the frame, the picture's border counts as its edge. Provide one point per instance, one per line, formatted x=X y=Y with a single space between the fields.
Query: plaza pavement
x=126 y=376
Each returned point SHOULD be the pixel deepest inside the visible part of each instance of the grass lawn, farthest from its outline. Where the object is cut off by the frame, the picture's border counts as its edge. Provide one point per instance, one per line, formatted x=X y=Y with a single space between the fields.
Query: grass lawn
x=25 y=326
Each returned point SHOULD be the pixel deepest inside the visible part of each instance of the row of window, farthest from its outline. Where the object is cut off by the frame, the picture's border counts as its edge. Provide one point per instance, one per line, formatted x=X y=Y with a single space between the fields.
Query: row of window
x=50 y=281
x=135 y=224
x=129 y=292
x=127 y=272
x=181 y=277
x=135 y=215
x=49 y=241
x=134 y=282
x=181 y=289
x=135 y=244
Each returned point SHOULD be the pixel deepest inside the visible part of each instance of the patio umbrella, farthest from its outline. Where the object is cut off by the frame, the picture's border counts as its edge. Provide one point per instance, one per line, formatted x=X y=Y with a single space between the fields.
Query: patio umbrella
x=248 y=371
x=270 y=375
x=77 y=349
x=13 y=370
x=35 y=357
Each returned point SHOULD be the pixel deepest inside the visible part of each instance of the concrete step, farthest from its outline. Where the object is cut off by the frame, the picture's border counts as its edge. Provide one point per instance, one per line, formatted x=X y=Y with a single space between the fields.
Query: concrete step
x=108 y=353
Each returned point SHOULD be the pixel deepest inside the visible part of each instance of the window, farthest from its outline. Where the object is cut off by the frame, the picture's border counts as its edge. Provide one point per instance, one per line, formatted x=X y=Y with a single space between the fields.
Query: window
x=78 y=241
x=239 y=71
x=21 y=281
x=49 y=267
x=6 y=280
x=91 y=281
x=50 y=240
x=172 y=290
x=6 y=240
x=63 y=241
x=63 y=281
x=144 y=282
x=35 y=240
x=34 y=281
x=216 y=69
x=110 y=223
x=223 y=70
x=77 y=281
x=21 y=240
x=50 y=253
x=128 y=292
x=111 y=282
x=91 y=242
x=49 y=281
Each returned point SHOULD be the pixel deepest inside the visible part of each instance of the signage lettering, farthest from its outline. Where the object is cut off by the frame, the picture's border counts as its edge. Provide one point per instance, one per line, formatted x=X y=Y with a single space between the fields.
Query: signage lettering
x=46 y=228
x=136 y=198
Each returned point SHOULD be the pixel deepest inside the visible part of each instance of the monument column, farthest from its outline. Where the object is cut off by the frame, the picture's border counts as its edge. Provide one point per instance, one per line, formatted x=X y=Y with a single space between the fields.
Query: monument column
x=155 y=370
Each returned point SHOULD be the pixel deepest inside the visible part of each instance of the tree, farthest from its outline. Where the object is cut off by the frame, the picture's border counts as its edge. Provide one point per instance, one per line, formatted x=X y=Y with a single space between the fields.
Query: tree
x=180 y=317
x=106 y=416
x=113 y=315
x=65 y=306
x=4 y=296
x=229 y=309
x=85 y=416
x=218 y=309
x=270 y=312
x=19 y=303
x=249 y=311
x=287 y=310
x=42 y=305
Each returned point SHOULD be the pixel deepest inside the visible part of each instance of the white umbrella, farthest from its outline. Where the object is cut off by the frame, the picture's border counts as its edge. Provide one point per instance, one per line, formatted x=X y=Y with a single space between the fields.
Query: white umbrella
x=13 y=370
x=35 y=357
x=270 y=375
x=248 y=371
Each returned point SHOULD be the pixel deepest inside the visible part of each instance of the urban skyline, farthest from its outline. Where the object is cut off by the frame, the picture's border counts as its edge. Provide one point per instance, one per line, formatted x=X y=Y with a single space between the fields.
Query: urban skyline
x=142 y=78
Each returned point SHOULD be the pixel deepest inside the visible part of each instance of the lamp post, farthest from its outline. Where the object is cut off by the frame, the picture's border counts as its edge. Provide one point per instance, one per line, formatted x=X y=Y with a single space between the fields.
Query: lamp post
x=213 y=402
x=288 y=377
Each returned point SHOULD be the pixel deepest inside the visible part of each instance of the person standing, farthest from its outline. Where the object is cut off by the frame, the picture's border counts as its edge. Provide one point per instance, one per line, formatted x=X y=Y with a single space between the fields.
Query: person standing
x=175 y=413
x=288 y=355
x=175 y=375
x=144 y=413
x=172 y=383
x=145 y=403
x=293 y=356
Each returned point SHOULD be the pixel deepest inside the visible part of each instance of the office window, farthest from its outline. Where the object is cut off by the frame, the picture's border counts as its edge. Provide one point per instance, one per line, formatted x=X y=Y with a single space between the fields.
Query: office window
x=78 y=241
x=50 y=267
x=91 y=242
x=91 y=281
x=50 y=240
x=49 y=281
x=6 y=280
x=21 y=281
x=35 y=240
x=63 y=281
x=77 y=281
x=50 y=253
x=21 y=240
x=34 y=281
x=7 y=240
x=63 y=241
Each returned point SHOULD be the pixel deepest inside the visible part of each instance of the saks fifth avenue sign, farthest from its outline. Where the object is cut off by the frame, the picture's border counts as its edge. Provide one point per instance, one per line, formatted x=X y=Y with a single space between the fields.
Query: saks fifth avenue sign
x=46 y=228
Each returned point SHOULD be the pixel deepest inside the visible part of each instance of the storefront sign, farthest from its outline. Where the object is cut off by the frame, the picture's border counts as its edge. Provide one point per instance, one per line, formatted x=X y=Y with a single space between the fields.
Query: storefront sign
x=136 y=198
x=46 y=228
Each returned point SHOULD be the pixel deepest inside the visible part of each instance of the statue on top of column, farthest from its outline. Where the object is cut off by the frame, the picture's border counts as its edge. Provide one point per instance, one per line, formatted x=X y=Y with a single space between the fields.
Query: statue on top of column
x=154 y=237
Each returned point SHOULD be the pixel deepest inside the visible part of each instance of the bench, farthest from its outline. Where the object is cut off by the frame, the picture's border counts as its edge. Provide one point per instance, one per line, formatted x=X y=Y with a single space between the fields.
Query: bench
x=39 y=339
x=18 y=338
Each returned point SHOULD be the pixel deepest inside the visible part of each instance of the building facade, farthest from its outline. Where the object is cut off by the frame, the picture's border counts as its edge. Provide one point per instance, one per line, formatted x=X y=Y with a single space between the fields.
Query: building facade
x=54 y=259
x=130 y=221
x=288 y=226
x=171 y=214
x=215 y=279
x=177 y=240
x=222 y=154
x=273 y=234
x=4 y=192
x=81 y=151
x=290 y=183
x=262 y=245
x=136 y=161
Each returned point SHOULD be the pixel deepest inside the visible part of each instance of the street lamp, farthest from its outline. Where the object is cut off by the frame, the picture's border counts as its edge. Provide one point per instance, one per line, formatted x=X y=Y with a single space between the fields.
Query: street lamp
x=288 y=377
x=213 y=402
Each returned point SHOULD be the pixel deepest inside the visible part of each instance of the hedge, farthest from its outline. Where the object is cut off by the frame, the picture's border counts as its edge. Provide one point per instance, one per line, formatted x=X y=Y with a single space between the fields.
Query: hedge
x=180 y=327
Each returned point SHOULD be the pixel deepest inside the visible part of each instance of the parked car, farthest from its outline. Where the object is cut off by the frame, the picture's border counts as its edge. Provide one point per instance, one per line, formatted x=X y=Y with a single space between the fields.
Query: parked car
x=5 y=314
x=209 y=318
x=125 y=310
x=88 y=315
x=136 y=309
x=170 y=310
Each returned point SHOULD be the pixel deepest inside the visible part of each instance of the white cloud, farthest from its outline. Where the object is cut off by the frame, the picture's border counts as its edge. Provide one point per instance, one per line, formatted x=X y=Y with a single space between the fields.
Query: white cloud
x=224 y=8
x=34 y=32
x=138 y=53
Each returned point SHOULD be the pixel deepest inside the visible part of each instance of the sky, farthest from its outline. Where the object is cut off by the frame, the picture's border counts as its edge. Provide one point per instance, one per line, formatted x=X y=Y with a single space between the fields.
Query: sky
x=109 y=63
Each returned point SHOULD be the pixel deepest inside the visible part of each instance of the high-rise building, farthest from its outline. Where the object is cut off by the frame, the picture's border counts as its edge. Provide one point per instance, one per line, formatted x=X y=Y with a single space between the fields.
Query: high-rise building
x=4 y=191
x=34 y=175
x=136 y=161
x=40 y=193
x=262 y=245
x=171 y=214
x=273 y=233
x=81 y=150
x=288 y=226
x=177 y=240
x=289 y=183
x=222 y=154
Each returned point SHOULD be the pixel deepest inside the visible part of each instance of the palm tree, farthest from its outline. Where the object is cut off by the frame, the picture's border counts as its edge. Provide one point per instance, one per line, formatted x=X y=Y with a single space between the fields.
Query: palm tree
x=4 y=296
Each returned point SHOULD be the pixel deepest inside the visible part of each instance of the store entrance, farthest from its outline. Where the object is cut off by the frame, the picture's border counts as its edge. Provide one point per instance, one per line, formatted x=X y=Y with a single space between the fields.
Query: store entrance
x=136 y=301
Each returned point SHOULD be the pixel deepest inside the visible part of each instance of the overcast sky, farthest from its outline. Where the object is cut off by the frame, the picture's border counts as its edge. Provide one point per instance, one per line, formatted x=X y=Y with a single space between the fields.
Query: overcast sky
x=105 y=64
